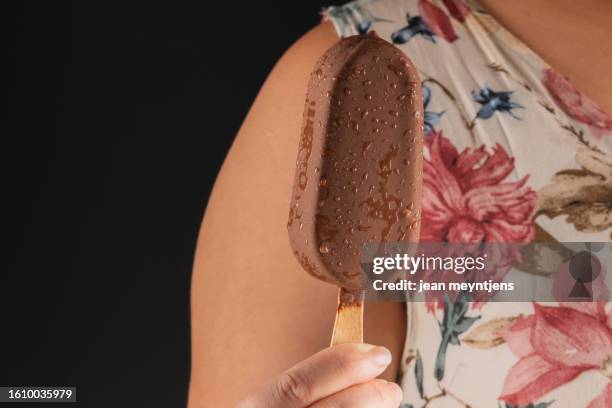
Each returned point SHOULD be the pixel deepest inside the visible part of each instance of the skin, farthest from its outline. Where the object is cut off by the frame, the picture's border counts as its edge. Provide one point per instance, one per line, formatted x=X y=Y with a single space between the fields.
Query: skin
x=339 y=376
x=270 y=306
x=271 y=315
x=572 y=36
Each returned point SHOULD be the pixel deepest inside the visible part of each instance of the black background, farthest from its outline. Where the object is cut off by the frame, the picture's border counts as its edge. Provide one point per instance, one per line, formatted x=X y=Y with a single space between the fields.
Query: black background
x=120 y=114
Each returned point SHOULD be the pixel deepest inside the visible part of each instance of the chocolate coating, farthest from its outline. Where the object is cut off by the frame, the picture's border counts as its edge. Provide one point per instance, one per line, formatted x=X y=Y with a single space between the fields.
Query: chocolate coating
x=358 y=174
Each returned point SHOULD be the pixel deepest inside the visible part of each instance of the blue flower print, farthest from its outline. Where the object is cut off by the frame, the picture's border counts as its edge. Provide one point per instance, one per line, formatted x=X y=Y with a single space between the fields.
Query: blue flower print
x=353 y=15
x=492 y=101
x=416 y=25
x=363 y=27
x=431 y=118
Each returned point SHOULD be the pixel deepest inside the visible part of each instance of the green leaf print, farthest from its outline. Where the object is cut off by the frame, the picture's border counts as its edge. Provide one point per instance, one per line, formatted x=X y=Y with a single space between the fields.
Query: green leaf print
x=540 y=405
x=454 y=323
x=418 y=374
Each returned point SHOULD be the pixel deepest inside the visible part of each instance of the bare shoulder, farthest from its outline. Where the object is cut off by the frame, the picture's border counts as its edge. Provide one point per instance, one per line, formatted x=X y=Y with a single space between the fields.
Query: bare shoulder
x=254 y=311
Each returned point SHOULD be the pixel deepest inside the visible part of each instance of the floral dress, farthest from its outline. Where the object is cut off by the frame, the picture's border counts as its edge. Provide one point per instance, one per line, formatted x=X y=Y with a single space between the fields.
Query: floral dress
x=513 y=153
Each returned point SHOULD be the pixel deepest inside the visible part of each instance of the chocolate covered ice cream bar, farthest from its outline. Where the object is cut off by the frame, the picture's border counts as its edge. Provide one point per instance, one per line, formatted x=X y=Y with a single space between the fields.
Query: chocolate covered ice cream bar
x=358 y=175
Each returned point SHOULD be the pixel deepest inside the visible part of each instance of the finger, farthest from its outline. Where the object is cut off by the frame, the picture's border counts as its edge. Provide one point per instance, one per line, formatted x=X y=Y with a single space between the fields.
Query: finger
x=322 y=375
x=375 y=393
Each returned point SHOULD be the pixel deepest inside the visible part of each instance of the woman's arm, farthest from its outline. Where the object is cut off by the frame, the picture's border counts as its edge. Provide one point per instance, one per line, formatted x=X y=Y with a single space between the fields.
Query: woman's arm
x=255 y=312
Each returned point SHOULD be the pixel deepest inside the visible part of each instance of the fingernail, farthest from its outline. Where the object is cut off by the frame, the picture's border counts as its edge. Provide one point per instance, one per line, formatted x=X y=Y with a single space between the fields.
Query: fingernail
x=365 y=347
x=380 y=356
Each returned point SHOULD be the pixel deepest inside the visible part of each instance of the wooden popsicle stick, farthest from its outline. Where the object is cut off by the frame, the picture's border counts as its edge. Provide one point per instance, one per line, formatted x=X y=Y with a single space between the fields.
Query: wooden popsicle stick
x=348 y=327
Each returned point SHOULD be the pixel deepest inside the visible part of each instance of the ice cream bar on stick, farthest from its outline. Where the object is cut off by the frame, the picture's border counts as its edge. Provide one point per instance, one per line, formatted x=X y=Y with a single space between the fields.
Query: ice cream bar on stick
x=358 y=175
